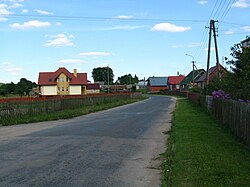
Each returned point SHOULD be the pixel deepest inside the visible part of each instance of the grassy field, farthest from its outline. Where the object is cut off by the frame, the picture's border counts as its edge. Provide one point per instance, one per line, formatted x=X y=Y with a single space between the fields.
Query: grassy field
x=65 y=114
x=202 y=153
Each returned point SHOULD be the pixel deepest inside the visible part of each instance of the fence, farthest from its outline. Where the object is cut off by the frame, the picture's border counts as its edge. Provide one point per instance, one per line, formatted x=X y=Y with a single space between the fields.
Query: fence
x=232 y=114
x=18 y=108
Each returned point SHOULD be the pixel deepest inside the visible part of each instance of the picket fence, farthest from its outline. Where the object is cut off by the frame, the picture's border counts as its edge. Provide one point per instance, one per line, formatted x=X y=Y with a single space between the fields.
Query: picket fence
x=234 y=115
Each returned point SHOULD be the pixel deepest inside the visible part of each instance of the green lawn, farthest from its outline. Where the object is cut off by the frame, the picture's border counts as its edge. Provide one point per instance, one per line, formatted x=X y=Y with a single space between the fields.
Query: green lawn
x=202 y=153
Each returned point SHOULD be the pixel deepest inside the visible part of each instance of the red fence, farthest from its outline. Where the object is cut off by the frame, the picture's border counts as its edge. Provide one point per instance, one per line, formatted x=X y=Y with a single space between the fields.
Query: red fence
x=42 y=98
x=18 y=107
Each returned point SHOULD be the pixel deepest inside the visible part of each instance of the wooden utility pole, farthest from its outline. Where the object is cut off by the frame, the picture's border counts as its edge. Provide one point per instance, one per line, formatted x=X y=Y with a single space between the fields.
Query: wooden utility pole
x=212 y=29
x=216 y=52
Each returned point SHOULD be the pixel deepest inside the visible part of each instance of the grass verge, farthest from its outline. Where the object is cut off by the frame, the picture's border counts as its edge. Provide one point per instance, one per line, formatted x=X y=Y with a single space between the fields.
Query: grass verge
x=202 y=153
x=66 y=114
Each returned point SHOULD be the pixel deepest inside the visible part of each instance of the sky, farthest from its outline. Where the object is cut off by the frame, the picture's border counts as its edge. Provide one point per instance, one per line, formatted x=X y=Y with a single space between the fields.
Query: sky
x=142 y=37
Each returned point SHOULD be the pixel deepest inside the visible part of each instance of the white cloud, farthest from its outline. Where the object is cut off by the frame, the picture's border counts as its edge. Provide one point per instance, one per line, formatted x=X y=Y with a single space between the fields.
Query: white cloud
x=25 y=11
x=126 y=27
x=3 y=19
x=229 y=32
x=30 y=24
x=15 y=5
x=177 y=46
x=241 y=4
x=168 y=27
x=59 y=40
x=104 y=65
x=10 y=68
x=72 y=61
x=58 y=24
x=95 y=54
x=4 y=12
x=43 y=12
x=212 y=49
x=195 y=44
x=246 y=28
x=123 y=17
x=202 y=2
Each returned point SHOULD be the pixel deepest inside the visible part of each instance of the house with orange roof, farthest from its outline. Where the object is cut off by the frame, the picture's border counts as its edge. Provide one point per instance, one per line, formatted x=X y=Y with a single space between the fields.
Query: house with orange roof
x=174 y=82
x=62 y=82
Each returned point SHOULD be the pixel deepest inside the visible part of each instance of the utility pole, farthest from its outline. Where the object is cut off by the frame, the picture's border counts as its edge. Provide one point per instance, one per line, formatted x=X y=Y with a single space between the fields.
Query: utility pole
x=212 y=29
x=216 y=52
x=192 y=65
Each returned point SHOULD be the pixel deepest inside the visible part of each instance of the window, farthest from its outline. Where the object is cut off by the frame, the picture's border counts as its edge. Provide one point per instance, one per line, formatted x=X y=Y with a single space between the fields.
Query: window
x=62 y=89
x=67 y=89
x=62 y=79
x=50 y=79
x=58 y=89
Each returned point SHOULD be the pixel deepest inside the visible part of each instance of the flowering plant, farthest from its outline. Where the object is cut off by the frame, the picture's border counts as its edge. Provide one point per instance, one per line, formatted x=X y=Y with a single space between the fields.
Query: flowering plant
x=221 y=94
x=241 y=100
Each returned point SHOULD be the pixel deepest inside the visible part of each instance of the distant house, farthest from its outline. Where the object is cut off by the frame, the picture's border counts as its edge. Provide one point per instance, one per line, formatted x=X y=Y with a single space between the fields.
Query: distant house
x=213 y=75
x=93 y=88
x=62 y=82
x=174 y=82
x=246 y=42
x=141 y=84
x=187 y=82
x=156 y=84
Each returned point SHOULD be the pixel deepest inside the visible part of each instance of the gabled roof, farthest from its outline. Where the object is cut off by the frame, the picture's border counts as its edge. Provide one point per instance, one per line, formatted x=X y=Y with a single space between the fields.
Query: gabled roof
x=211 y=70
x=175 y=79
x=157 y=81
x=50 y=78
x=189 y=78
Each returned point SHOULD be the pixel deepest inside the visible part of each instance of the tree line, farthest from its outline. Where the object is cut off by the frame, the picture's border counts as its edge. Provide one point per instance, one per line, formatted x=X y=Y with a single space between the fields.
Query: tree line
x=23 y=87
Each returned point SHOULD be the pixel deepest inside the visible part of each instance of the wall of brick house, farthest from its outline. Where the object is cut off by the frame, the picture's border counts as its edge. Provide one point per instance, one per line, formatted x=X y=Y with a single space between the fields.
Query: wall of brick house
x=157 y=88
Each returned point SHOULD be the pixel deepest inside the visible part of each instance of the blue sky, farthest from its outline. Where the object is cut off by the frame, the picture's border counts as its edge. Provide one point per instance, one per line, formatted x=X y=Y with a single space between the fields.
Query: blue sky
x=142 y=37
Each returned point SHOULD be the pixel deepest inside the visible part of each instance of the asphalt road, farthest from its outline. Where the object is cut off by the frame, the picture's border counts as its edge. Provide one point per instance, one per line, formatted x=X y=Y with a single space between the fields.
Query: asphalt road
x=117 y=147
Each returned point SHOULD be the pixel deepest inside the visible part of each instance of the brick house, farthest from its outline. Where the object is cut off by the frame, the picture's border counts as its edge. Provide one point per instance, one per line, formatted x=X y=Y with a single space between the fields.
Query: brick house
x=213 y=75
x=62 y=82
x=156 y=84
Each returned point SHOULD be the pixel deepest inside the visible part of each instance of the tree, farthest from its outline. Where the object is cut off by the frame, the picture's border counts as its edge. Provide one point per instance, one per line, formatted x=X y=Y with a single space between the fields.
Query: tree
x=237 y=82
x=24 y=86
x=103 y=74
x=127 y=79
x=6 y=89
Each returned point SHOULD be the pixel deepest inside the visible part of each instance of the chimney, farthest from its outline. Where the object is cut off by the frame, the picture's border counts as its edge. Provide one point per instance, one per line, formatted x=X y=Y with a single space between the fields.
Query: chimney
x=75 y=72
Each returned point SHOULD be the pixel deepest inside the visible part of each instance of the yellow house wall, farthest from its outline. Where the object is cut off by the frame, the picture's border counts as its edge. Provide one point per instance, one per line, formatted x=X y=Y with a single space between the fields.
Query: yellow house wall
x=63 y=84
x=75 y=90
x=48 y=90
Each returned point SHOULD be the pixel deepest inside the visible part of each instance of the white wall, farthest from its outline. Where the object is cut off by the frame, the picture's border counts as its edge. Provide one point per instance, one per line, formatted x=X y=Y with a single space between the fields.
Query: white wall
x=48 y=90
x=75 y=90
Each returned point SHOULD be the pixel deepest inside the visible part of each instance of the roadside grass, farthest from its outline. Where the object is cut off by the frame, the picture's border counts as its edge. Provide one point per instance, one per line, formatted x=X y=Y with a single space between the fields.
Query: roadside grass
x=66 y=114
x=202 y=153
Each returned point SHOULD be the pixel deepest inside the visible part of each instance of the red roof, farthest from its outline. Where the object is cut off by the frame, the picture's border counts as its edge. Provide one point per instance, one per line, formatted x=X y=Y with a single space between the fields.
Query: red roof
x=175 y=79
x=50 y=78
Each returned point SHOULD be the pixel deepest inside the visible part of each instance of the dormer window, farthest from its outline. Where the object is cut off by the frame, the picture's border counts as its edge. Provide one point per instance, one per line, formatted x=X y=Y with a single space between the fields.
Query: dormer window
x=50 y=79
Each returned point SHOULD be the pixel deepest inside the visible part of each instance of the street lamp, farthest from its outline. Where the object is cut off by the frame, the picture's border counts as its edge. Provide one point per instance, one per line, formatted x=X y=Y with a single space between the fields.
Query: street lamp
x=193 y=66
x=108 y=77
